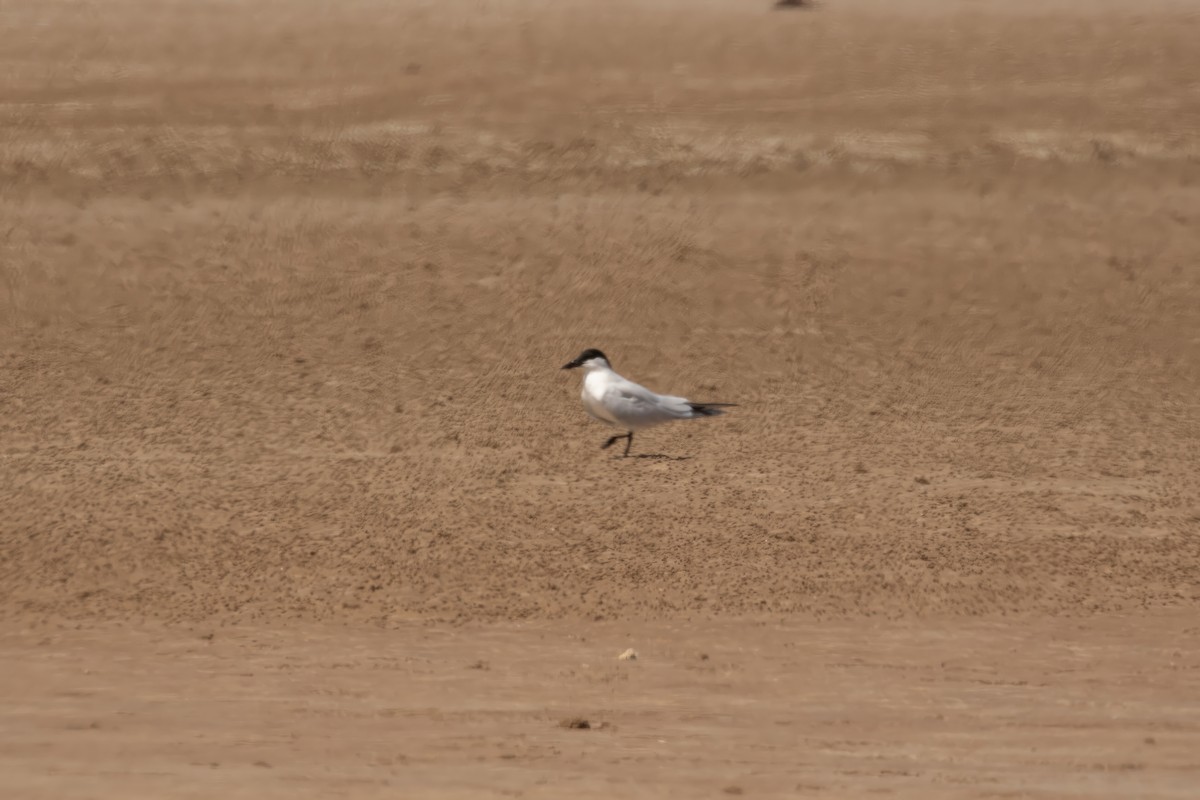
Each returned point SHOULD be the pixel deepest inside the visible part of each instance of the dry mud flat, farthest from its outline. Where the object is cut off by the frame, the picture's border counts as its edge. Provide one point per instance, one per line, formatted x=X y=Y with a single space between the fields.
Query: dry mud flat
x=284 y=291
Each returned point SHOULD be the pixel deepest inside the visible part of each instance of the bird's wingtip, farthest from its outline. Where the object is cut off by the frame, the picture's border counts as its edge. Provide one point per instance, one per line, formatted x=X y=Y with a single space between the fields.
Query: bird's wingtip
x=710 y=409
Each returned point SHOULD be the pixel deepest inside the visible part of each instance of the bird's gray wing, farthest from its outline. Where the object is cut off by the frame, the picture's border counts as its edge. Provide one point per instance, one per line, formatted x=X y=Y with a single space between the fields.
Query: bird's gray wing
x=635 y=405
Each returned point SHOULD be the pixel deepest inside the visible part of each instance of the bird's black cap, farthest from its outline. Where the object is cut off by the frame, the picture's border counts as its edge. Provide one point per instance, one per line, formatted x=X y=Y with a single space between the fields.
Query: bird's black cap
x=586 y=355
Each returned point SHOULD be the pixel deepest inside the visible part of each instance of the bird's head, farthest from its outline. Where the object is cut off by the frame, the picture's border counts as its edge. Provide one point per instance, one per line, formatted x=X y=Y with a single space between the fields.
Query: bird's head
x=589 y=359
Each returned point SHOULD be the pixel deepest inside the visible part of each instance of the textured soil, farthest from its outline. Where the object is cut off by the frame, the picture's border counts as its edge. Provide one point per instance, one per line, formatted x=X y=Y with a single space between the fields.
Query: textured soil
x=285 y=449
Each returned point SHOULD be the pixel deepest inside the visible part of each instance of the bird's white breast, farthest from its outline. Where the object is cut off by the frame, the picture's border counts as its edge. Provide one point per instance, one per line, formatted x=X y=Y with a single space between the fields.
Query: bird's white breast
x=594 y=386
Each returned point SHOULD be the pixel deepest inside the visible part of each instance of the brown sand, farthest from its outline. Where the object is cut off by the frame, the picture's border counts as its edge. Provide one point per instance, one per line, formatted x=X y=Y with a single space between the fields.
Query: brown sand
x=285 y=290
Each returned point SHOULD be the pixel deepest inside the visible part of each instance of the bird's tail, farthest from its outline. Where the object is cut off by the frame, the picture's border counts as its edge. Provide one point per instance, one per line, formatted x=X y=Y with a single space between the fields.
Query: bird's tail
x=709 y=409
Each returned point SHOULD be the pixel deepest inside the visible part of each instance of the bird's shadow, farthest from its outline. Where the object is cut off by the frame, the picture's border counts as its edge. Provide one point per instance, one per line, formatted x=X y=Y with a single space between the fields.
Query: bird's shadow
x=660 y=457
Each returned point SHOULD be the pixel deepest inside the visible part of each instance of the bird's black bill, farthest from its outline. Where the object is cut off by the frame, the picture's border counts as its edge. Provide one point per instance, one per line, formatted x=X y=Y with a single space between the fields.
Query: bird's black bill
x=572 y=365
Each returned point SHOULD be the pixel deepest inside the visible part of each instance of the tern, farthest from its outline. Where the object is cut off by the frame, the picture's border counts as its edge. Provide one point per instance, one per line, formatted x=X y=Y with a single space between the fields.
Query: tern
x=619 y=401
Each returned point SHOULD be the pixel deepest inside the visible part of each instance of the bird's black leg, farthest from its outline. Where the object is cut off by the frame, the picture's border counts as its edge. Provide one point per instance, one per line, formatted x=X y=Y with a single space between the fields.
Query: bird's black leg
x=628 y=437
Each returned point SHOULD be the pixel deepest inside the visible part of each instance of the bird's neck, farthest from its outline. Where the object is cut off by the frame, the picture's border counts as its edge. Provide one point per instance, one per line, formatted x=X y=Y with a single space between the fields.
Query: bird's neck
x=598 y=376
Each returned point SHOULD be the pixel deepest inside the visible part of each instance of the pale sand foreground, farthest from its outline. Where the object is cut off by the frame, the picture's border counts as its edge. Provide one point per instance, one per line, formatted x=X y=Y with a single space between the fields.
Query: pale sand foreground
x=1087 y=708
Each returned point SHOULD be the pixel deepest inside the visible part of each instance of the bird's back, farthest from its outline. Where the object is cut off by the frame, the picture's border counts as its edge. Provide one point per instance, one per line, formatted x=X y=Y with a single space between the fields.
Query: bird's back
x=630 y=405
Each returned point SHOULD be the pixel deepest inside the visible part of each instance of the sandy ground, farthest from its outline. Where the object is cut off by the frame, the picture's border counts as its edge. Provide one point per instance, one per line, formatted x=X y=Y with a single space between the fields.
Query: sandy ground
x=1095 y=709
x=285 y=450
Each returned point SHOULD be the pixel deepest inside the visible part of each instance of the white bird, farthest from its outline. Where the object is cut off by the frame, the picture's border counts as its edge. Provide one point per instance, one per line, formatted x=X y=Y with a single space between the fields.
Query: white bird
x=619 y=401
